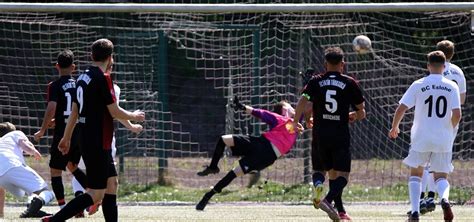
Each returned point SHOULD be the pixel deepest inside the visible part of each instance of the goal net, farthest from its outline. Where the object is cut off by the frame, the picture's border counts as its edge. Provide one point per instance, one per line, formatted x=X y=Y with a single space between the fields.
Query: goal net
x=182 y=69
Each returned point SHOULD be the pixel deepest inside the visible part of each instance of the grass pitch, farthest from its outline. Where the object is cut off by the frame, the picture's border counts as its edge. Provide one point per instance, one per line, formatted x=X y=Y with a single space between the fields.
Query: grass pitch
x=251 y=211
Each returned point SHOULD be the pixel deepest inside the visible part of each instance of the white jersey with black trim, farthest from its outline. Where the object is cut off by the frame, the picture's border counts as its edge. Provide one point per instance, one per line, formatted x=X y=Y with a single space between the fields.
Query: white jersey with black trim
x=454 y=73
x=11 y=155
x=434 y=97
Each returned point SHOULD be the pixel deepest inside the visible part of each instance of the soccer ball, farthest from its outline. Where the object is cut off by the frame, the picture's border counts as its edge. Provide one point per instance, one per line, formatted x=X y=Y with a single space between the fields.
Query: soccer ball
x=362 y=44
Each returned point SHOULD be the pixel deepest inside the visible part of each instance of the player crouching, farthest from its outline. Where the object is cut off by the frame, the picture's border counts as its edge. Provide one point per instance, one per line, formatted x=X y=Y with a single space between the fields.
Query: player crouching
x=257 y=152
x=18 y=178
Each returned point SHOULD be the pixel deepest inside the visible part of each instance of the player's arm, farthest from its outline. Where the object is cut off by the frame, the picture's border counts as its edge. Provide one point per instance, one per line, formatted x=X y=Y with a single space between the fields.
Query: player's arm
x=463 y=98
x=359 y=114
x=49 y=113
x=118 y=113
x=65 y=142
x=135 y=128
x=308 y=115
x=29 y=148
x=456 y=107
x=300 y=109
x=397 y=118
x=456 y=117
x=2 y=201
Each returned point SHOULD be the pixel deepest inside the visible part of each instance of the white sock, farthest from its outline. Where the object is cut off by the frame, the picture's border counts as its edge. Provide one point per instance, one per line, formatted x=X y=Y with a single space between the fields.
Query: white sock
x=443 y=188
x=431 y=183
x=47 y=196
x=76 y=186
x=424 y=181
x=414 y=186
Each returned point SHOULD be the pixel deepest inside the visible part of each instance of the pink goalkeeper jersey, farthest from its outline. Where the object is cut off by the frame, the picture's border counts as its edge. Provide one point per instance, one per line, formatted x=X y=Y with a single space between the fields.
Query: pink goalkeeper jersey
x=282 y=134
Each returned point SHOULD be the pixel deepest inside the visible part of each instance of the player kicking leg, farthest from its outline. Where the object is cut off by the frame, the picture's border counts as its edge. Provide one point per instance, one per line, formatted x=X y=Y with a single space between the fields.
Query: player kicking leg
x=437 y=112
x=258 y=152
x=331 y=136
x=18 y=178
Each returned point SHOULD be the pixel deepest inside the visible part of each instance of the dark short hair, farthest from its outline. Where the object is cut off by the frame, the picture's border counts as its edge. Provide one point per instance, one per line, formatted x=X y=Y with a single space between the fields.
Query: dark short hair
x=278 y=107
x=6 y=127
x=65 y=59
x=333 y=55
x=447 y=47
x=436 y=58
x=102 y=49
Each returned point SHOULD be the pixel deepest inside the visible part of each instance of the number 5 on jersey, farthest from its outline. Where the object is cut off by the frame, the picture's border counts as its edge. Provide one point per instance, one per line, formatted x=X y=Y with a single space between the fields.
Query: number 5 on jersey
x=331 y=103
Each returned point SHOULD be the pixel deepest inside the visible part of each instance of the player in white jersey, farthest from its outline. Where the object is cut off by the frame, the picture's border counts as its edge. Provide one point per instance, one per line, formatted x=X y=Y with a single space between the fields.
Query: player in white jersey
x=18 y=178
x=454 y=73
x=437 y=113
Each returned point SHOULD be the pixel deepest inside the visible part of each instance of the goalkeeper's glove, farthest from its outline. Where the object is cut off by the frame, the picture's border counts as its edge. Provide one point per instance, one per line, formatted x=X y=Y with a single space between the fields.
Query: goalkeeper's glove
x=237 y=105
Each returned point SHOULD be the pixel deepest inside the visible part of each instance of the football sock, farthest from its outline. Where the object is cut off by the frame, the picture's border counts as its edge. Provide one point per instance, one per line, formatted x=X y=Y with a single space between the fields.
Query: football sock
x=318 y=178
x=431 y=194
x=74 y=206
x=224 y=181
x=58 y=189
x=78 y=193
x=337 y=187
x=76 y=186
x=338 y=199
x=109 y=207
x=431 y=183
x=220 y=146
x=46 y=196
x=80 y=177
x=425 y=180
x=414 y=187
x=443 y=188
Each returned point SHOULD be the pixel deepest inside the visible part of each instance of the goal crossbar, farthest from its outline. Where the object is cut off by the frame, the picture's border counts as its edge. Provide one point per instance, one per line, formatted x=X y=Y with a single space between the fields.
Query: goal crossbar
x=236 y=8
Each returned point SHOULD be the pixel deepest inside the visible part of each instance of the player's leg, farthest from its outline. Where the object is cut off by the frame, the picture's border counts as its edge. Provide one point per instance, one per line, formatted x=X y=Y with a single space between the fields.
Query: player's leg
x=57 y=164
x=222 y=142
x=225 y=181
x=24 y=179
x=74 y=157
x=442 y=166
x=2 y=201
x=77 y=188
x=97 y=170
x=416 y=161
x=109 y=203
x=261 y=156
x=430 y=200
x=319 y=171
x=424 y=185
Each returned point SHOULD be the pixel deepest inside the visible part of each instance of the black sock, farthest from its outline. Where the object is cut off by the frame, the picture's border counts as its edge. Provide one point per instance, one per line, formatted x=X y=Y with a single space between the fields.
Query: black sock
x=431 y=194
x=74 y=206
x=58 y=189
x=338 y=199
x=336 y=188
x=220 y=146
x=77 y=193
x=109 y=208
x=224 y=181
x=80 y=177
x=422 y=195
x=318 y=178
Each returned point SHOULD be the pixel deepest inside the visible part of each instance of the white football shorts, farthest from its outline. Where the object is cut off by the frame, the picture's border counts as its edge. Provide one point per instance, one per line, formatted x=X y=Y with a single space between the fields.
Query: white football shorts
x=22 y=179
x=437 y=162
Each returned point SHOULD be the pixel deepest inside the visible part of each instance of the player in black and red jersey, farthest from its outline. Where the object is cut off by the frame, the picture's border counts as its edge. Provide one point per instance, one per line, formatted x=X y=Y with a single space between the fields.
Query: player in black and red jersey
x=332 y=95
x=94 y=108
x=59 y=107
